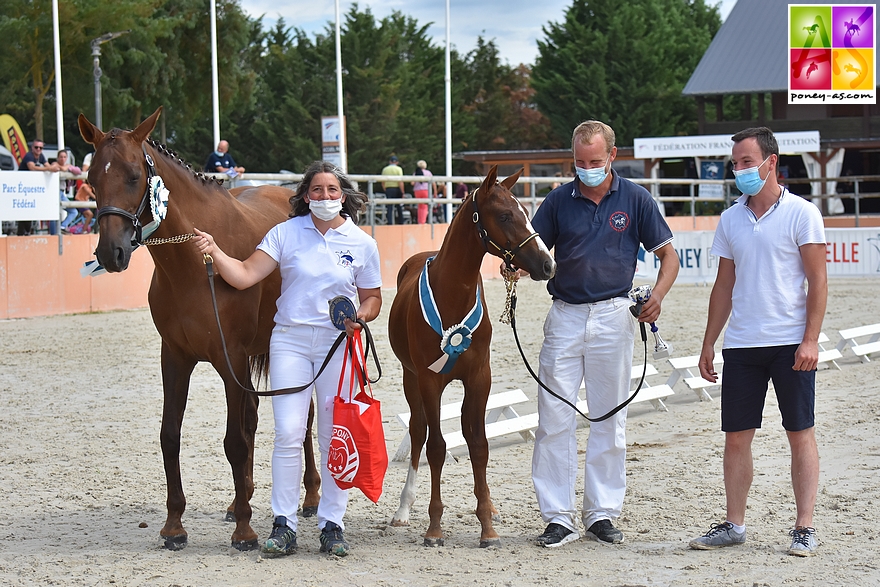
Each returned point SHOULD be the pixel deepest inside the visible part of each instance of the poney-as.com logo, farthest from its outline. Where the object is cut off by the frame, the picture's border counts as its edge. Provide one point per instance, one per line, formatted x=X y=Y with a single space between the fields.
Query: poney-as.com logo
x=831 y=53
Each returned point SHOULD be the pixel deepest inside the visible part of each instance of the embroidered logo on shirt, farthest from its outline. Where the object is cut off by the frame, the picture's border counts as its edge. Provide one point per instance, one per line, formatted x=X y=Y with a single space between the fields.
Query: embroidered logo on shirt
x=345 y=258
x=619 y=221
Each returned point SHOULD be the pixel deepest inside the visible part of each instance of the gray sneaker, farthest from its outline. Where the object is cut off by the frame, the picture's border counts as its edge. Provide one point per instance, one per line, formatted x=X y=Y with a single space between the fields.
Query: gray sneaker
x=803 y=542
x=718 y=535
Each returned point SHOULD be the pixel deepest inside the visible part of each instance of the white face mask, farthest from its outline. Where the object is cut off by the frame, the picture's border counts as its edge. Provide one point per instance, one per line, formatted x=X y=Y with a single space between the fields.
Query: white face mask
x=325 y=210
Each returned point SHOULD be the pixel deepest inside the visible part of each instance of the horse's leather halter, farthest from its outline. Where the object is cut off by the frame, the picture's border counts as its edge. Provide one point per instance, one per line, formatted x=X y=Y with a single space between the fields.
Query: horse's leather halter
x=506 y=254
x=137 y=238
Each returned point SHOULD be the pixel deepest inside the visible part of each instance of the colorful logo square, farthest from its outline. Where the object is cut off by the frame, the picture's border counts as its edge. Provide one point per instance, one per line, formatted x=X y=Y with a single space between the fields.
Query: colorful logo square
x=831 y=53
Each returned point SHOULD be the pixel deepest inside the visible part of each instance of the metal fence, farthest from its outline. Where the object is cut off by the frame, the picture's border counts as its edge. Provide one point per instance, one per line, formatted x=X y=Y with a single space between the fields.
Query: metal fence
x=538 y=186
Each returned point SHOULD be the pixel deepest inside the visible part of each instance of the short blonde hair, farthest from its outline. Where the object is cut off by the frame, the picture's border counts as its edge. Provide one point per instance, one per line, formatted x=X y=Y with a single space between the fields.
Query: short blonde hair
x=585 y=131
x=421 y=164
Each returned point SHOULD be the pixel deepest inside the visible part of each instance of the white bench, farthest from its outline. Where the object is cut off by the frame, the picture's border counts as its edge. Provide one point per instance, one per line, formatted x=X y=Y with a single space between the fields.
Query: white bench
x=849 y=338
x=828 y=357
x=687 y=368
x=498 y=404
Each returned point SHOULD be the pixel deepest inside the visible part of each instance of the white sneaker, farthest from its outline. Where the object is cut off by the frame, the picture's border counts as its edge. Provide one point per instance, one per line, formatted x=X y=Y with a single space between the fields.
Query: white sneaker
x=803 y=542
x=719 y=535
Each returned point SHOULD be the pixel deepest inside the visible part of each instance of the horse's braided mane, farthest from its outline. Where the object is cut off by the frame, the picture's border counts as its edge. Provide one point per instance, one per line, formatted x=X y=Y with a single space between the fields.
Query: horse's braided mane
x=164 y=150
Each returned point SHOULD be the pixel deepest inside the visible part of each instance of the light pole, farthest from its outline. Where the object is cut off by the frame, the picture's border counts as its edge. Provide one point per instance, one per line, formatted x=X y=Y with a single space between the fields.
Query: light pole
x=96 y=56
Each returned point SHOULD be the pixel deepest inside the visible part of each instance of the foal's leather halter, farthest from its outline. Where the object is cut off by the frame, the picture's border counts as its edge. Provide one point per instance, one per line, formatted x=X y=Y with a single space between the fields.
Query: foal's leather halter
x=506 y=254
x=137 y=238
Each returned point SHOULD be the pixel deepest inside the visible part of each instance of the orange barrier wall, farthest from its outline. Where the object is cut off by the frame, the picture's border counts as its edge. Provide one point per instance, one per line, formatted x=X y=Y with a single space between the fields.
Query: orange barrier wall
x=35 y=280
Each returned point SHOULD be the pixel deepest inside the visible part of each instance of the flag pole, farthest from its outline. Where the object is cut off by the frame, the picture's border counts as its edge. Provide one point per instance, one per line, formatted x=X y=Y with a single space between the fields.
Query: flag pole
x=59 y=106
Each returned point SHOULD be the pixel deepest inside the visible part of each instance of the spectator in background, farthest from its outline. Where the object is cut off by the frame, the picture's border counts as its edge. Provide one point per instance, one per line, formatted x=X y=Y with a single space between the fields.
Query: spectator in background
x=220 y=161
x=393 y=189
x=84 y=193
x=423 y=190
x=66 y=189
x=34 y=160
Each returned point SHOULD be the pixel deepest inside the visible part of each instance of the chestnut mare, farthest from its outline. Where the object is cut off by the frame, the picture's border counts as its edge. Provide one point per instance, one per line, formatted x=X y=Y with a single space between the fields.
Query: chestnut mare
x=490 y=220
x=180 y=298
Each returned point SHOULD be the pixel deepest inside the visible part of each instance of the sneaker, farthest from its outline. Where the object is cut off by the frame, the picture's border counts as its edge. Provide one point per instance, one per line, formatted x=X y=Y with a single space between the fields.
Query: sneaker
x=332 y=540
x=803 y=542
x=718 y=535
x=282 y=541
x=556 y=535
x=604 y=531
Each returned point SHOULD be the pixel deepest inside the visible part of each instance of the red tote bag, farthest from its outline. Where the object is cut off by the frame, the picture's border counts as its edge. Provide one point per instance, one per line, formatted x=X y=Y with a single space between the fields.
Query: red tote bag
x=357 y=456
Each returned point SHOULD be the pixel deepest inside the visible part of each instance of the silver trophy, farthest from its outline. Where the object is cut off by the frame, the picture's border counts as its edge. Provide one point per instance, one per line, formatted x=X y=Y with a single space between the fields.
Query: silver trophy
x=639 y=295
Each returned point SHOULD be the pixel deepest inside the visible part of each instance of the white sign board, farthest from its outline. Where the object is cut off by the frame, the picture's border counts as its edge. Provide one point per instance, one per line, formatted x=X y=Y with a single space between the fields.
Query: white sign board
x=849 y=252
x=29 y=195
x=330 y=130
x=718 y=145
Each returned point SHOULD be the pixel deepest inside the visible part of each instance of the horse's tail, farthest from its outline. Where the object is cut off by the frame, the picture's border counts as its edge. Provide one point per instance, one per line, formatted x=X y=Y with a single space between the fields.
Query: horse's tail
x=259 y=366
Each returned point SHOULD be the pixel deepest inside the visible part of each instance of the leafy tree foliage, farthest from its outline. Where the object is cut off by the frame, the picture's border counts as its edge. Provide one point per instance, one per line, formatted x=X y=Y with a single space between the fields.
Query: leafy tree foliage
x=624 y=63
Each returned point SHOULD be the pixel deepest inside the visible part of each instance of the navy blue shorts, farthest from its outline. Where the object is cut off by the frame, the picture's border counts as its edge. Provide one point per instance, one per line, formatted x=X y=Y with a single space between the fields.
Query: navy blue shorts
x=744 y=388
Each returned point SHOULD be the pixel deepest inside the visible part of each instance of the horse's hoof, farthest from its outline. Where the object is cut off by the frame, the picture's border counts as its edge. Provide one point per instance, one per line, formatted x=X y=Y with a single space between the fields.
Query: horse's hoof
x=433 y=542
x=490 y=543
x=245 y=545
x=230 y=517
x=310 y=512
x=175 y=542
x=399 y=523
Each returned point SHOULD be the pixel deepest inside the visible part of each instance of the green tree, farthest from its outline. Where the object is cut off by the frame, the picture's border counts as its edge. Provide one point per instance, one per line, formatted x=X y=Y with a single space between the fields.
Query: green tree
x=624 y=63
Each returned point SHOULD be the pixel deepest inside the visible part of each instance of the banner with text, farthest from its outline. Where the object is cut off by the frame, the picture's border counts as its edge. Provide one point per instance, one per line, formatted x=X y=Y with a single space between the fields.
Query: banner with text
x=29 y=195
x=849 y=252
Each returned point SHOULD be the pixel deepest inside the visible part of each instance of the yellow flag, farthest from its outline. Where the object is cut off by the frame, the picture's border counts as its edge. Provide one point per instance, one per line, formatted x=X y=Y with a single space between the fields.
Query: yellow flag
x=13 y=138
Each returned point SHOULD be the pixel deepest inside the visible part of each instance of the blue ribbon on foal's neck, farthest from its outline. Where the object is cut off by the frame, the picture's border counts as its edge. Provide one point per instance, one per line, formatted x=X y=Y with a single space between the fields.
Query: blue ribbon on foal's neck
x=454 y=340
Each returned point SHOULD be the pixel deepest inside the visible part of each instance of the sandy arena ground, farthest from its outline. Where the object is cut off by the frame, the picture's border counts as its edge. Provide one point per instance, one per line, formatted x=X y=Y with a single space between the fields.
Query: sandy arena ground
x=85 y=489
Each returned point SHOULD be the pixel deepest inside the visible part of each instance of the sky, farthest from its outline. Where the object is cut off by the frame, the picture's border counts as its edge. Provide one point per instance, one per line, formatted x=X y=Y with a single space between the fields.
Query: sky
x=514 y=25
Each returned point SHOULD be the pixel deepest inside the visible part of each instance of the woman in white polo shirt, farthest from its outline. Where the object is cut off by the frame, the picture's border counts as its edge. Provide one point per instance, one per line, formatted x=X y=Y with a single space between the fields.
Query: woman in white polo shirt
x=321 y=254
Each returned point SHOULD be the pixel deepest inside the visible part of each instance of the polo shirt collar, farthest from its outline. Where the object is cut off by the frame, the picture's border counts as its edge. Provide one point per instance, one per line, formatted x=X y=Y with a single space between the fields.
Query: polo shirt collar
x=343 y=228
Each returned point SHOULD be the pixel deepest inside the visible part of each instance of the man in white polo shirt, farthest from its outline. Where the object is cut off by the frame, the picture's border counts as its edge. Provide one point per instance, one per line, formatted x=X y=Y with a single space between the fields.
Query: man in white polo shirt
x=768 y=243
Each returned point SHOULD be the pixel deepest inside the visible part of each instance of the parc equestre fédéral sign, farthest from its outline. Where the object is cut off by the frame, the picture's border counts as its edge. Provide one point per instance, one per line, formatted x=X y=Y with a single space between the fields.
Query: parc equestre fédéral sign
x=849 y=252
x=831 y=53
x=29 y=195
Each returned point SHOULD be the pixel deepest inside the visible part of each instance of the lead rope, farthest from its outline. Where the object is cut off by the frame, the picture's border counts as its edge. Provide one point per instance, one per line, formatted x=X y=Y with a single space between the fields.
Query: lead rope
x=508 y=316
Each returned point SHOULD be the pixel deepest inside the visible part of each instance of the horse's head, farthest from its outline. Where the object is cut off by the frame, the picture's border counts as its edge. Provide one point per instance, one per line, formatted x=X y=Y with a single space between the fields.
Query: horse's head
x=504 y=226
x=119 y=175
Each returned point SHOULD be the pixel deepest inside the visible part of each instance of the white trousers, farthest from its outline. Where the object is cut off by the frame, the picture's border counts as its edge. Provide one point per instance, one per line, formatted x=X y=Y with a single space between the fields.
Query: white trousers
x=295 y=355
x=590 y=344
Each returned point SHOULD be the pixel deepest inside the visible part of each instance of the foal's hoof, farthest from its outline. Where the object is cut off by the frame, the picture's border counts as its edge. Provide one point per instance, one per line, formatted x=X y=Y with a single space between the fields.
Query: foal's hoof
x=432 y=542
x=230 y=517
x=490 y=543
x=245 y=545
x=310 y=512
x=175 y=542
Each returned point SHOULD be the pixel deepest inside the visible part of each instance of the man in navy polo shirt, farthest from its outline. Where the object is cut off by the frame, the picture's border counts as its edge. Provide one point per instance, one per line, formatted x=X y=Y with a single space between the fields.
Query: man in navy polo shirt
x=220 y=161
x=596 y=224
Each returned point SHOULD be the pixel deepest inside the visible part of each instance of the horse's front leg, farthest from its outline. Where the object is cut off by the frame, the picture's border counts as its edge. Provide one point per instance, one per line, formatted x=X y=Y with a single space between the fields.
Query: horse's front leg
x=473 y=426
x=241 y=425
x=176 y=372
x=436 y=451
x=311 y=476
x=417 y=435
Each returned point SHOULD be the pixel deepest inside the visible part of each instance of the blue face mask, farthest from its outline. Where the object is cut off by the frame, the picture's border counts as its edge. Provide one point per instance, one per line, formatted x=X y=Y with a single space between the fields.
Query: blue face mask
x=749 y=181
x=219 y=154
x=592 y=177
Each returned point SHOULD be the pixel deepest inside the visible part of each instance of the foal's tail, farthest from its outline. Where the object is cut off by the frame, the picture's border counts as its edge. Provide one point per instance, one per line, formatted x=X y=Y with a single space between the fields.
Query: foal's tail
x=259 y=366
